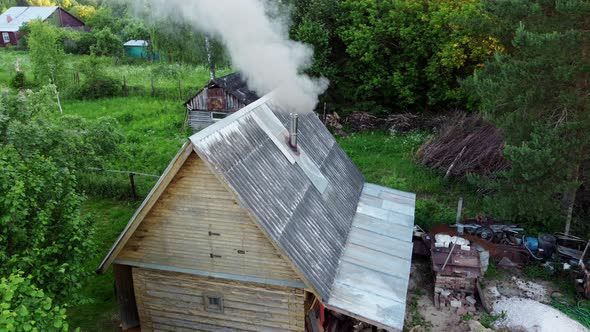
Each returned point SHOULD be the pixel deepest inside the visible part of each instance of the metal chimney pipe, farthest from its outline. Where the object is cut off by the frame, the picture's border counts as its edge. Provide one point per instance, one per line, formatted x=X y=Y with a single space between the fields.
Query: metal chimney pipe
x=293 y=130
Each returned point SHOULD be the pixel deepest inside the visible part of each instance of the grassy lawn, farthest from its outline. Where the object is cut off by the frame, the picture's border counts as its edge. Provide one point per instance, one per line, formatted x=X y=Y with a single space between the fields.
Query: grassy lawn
x=388 y=160
x=98 y=309
x=139 y=75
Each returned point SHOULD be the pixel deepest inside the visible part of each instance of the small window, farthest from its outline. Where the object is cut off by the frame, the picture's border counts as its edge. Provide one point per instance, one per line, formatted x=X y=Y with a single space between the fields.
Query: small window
x=218 y=116
x=213 y=303
x=6 y=37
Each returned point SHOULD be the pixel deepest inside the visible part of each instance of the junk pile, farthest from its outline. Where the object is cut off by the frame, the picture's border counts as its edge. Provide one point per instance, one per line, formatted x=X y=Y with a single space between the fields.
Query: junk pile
x=462 y=252
x=457 y=266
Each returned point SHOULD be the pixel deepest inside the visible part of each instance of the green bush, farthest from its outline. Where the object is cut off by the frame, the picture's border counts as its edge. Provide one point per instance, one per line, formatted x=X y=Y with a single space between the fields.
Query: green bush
x=41 y=229
x=107 y=44
x=19 y=81
x=27 y=308
x=99 y=87
x=430 y=213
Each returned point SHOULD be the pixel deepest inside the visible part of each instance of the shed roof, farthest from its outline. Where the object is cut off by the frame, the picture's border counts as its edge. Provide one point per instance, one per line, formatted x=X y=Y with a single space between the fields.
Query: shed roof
x=15 y=17
x=137 y=43
x=350 y=241
x=233 y=84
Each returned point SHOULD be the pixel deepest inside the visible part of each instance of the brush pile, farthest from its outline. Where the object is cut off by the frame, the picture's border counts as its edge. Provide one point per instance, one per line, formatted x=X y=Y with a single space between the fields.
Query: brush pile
x=467 y=144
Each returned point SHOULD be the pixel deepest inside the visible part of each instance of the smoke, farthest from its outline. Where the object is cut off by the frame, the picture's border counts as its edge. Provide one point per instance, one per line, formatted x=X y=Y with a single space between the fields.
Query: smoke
x=257 y=42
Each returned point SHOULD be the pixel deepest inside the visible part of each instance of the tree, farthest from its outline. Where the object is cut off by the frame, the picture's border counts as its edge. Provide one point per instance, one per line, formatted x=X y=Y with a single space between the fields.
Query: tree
x=41 y=3
x=47 y=53
x=83 y=12
x=316 y=24
x=538 y=96
x=107 y=44
x=26 y=308
x=411 y=53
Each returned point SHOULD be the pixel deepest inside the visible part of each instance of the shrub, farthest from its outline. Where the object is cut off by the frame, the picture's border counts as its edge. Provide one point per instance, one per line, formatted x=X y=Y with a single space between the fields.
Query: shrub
x=18 y=81
x=99 y=87
x=41 y=229
x=107 y=44
x=430 y=213
x=27 y=308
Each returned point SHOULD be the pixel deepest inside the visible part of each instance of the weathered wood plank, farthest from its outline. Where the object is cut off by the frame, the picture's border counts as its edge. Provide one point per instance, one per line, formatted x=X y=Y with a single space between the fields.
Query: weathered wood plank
x=197 y=217
x=174 y=301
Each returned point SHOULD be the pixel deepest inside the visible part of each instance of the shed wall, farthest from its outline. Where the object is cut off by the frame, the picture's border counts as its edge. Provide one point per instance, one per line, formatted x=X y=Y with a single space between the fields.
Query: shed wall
x=200 y=102
x=175 y=302
x=197 y=225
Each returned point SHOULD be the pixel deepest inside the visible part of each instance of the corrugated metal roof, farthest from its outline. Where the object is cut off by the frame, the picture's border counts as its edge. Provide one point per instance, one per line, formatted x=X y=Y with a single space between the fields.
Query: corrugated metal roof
x=14 y=18
x=141 y=43
x=372 y=279
x=309 y=226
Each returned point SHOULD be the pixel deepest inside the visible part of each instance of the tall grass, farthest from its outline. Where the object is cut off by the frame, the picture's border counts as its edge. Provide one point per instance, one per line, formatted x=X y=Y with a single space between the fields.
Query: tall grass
x=142 y=78
x=388 y=160
x=97 y=312
x=153 y=135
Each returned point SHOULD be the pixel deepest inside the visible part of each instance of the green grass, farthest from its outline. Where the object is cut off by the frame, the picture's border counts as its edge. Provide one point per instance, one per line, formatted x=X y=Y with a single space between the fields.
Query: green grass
x=7 y=60
x=388 y=160
x=152 y=130
x=139 y=75
x=99 y=305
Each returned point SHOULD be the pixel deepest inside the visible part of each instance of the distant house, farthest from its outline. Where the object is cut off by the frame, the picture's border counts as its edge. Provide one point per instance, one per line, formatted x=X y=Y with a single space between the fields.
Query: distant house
x=14 y=18
x=254 y=228
x=139 y=49
x=219 y=98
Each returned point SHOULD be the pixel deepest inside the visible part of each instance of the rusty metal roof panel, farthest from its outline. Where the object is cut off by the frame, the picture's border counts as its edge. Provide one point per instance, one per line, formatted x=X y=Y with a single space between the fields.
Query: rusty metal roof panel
x=281 y=190
x=374 y=270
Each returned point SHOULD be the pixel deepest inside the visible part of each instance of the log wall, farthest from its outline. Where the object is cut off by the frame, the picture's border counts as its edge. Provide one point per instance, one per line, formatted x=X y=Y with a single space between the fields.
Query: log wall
x=170 y=301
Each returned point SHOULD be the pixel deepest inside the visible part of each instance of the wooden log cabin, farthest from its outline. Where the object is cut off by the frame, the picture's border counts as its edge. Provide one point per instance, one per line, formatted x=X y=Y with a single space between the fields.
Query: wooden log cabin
x=219 y=98
x=246 y=231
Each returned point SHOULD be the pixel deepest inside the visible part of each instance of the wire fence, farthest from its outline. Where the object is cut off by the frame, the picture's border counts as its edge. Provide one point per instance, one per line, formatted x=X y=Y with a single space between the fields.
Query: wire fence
x=116 y=184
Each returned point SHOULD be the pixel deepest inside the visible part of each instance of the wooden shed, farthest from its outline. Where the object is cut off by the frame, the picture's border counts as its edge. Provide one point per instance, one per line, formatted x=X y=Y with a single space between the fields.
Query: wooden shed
x=219 y=98
x=246 y=232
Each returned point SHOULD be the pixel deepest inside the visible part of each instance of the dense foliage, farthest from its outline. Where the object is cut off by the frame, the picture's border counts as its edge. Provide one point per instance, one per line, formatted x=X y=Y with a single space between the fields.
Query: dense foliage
x=411 y=53
x=41 y=232
x=26 y=308
x=391 y=55
x=47 y=53
x=537 y=94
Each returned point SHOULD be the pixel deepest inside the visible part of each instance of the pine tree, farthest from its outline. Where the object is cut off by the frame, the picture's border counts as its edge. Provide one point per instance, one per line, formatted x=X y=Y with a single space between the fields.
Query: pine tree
x=537 y=93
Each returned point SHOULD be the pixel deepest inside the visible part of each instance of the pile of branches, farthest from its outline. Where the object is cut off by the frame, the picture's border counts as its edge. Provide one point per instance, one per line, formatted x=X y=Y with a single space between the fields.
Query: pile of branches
x=467 y=144
x=395 y=123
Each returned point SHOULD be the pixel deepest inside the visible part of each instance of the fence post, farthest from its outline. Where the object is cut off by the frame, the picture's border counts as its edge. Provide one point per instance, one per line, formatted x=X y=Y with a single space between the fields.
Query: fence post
x=153 y=89
x=132 y=182
x=179 y=91
x=124 y=86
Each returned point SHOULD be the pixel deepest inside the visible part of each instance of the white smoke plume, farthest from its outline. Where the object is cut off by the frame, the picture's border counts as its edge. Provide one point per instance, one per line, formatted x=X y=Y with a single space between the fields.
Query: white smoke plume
x=258 y=45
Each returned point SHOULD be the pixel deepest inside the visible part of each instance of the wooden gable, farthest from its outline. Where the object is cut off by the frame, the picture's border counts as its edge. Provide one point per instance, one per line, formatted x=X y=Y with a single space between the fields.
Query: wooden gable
x=196 y=226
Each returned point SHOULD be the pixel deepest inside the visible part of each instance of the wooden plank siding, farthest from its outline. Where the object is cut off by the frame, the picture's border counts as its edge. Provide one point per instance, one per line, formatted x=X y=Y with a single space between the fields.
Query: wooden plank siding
x=171 y=301
x=197 y=225
x=200 y=102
